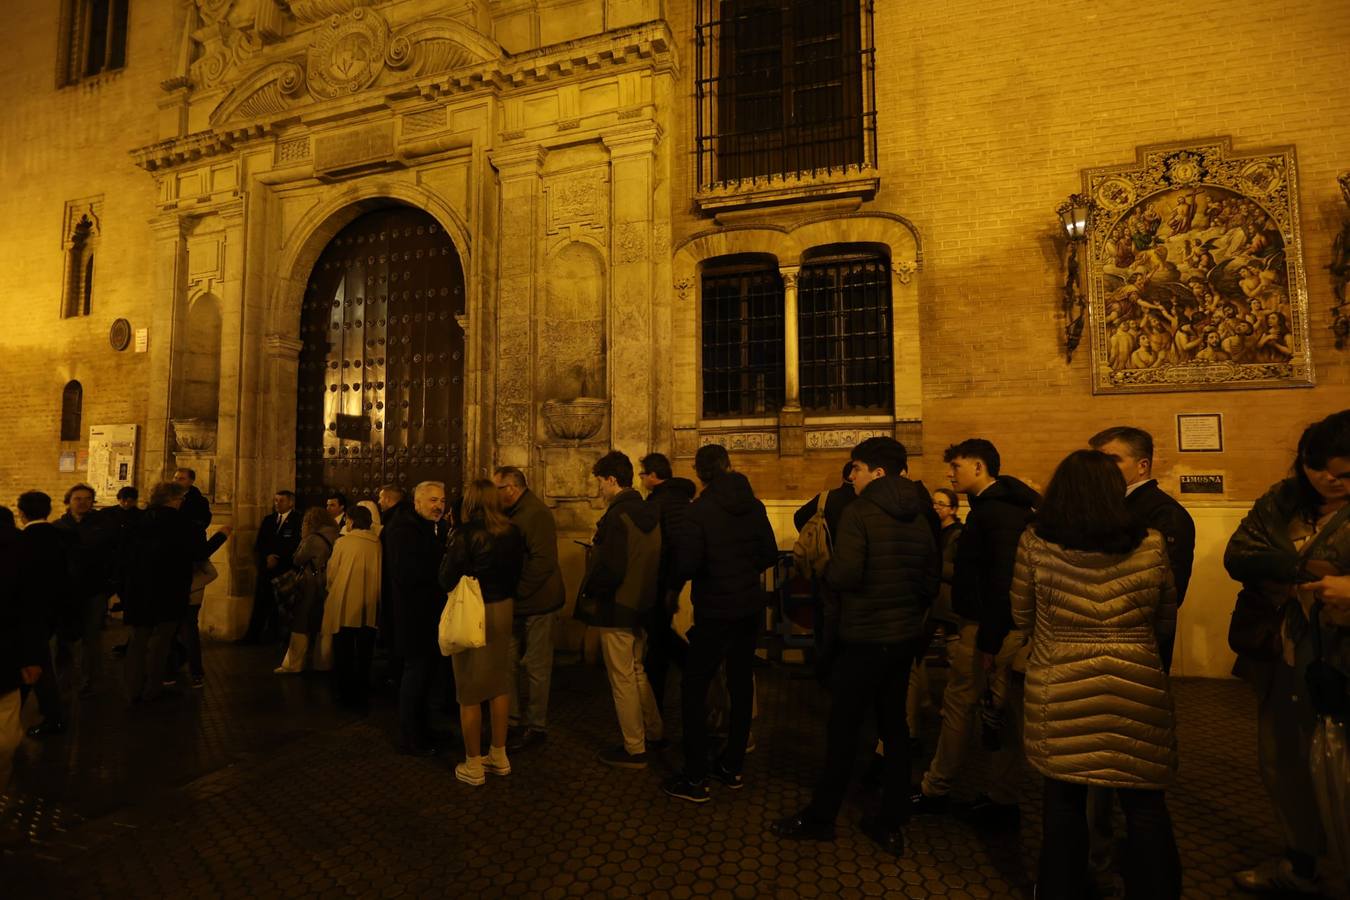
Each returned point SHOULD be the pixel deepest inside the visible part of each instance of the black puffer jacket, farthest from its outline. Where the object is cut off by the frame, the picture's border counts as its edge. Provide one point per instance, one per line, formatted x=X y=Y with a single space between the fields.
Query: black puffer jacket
x=413 y=549
x=885 y=564
x=727 y=546
x=671 y=498
x=494 y=559
x=985 y=557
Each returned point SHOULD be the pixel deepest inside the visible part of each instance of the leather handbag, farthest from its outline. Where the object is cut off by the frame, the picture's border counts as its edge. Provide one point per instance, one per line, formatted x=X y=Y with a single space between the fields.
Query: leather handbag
x=1254 y=630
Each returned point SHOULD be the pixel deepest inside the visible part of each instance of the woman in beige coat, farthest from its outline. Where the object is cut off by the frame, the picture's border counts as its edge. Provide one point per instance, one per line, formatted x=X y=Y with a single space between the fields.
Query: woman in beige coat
x=349 y=613
x=1093 y=593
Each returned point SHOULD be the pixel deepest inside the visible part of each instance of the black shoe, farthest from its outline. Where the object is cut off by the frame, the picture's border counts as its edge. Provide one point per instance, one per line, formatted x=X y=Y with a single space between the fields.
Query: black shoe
x=524 y=739
x=985 y=813
x=718 y=771
x=891 y=840
x=681 y=787
x=800 y=828
x=657 y=745
x=921 y=804
x=46 y=728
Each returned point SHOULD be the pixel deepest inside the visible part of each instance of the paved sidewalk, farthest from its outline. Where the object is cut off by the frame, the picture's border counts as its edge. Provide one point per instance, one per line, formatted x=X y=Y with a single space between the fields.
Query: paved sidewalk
x=257 y=786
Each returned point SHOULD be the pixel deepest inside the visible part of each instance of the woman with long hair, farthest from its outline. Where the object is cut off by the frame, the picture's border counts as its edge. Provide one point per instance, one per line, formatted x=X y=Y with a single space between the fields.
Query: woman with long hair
x=485 y=546
x=318 y=531
x=1298 y=532
x=1093 y=592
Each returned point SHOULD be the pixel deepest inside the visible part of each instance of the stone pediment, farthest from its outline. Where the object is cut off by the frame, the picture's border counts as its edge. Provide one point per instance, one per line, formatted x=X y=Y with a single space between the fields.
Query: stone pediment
x=344 y=54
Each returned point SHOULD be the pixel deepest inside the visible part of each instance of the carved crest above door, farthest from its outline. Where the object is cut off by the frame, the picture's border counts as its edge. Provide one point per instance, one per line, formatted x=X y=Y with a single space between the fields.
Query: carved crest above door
x=273 y=58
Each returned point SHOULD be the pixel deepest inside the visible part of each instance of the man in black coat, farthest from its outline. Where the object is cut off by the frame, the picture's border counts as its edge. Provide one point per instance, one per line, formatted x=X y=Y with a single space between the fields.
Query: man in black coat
x=670 y=496
x=156 y=585
x=725 y=550
x=196 y=508
x=47 y=584
x=986 y=645
x=23 y=641
x=273 y=549
x=90 y=535
x=414 y=545
x=885 y=571
x=836 y=499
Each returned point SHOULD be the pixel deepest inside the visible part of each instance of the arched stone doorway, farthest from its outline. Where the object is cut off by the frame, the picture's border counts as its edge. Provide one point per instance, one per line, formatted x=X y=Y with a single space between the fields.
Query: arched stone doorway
x=380 y=394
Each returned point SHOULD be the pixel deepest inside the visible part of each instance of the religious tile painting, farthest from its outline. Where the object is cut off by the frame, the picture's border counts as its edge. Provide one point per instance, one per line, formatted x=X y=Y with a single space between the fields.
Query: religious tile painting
x=1195 y=271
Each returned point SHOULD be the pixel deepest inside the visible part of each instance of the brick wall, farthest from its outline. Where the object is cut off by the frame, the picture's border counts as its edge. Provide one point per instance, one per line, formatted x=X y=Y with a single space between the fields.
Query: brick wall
x=987 y=113
x=58 y=145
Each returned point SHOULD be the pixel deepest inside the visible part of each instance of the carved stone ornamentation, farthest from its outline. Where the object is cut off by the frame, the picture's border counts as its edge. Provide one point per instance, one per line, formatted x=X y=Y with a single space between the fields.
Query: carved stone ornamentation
x=348 y=54
x=195 y=435
x=574 y=420
x=751 y=441
x=630 y=242
x=573 y=201
x=903 y=270
x=272 y=90
x=683 y=287
x=292 y=151
x=307 y=11
x=842 y=438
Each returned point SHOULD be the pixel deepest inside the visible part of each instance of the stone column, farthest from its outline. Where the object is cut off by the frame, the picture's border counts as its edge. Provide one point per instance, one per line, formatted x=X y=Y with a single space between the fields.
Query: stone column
x=230 y=290
x=791 y=430
x=632 y=394
x=168 y=288
x=517 y=286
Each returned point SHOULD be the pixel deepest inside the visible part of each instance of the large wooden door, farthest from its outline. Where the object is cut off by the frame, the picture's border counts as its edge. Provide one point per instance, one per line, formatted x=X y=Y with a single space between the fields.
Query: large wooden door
x=381 y=388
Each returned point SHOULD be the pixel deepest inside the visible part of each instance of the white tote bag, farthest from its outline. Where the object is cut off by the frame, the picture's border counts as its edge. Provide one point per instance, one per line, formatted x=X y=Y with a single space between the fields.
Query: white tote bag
x=464 y=620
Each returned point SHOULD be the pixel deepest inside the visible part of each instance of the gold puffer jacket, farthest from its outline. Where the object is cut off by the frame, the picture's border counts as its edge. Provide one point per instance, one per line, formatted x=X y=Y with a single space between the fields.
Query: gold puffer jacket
x=1098 y=703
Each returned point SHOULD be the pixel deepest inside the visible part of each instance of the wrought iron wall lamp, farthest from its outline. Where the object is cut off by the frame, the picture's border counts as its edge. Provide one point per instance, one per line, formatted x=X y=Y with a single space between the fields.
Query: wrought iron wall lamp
x=1075 y=217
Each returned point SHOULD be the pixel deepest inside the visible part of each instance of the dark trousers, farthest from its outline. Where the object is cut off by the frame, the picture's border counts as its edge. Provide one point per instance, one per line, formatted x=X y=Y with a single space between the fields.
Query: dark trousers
x=147 y=657
x=713 y=642
x=353 y=649
x=663 y=648
x=264 y=624
x=414 y=693
x=867 y=676
x=190 y=635
x=48 y=690
x=1151 y=865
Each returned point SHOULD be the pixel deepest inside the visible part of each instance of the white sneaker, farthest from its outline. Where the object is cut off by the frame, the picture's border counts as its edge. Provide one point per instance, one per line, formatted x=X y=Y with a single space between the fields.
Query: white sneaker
x=1277 y=876
x=496 y=762
x=471 y=771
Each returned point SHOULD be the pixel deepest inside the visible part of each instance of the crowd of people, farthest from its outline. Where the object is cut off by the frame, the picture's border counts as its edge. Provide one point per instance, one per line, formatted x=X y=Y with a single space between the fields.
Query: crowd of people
x=1056 y=612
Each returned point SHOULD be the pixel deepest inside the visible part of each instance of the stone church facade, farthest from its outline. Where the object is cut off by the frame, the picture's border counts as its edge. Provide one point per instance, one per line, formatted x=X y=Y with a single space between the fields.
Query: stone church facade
x=358 y=241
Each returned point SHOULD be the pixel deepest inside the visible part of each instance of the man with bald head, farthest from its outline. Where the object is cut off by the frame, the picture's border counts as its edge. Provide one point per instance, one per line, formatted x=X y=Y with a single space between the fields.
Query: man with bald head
x=415 y=545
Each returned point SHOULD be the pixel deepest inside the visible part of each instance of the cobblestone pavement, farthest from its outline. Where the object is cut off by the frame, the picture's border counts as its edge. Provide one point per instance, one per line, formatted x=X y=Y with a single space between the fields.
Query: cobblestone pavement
x=257 y=786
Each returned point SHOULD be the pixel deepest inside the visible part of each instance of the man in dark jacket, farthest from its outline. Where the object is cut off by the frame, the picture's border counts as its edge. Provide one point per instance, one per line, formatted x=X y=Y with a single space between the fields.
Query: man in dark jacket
x=196 y=508
x=46 y=583
x=987 y=644
x=539 y=596
x=89 y=535
x=885 y=570
x=23 y=641
x=617 y=595
x=273 y=549
x=836 y=499
x=670 y=496
x=726 y=548
x=414 y=545
x=156 y=585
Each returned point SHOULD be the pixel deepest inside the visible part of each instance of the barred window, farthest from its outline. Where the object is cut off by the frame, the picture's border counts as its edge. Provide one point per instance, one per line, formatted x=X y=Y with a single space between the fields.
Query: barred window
x=844 y=315
x=784 y=87
x=78 y=291
x=742 y=339
x=93 y=38
x=72 y=411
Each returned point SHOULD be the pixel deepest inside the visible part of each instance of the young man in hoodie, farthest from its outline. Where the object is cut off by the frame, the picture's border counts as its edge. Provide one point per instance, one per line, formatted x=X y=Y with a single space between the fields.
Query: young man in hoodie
x=670 y=496
x=986 y=644
x=724 y=550
x=617 y=597
x=884 y=572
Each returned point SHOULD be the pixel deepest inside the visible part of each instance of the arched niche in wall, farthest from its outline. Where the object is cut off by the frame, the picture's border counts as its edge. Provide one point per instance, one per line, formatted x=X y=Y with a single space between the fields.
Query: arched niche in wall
x=572 y=333
x=198 y=394
x=72 y=411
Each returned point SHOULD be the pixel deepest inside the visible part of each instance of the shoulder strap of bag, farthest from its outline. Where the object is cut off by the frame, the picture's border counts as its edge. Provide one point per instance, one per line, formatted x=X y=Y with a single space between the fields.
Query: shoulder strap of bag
x=1327 y=531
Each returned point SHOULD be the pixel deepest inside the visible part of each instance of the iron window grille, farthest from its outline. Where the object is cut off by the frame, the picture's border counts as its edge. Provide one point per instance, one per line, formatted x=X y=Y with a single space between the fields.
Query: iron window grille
x=742 y=341
x=72 y=410
x=784 y=87
x=844 y=317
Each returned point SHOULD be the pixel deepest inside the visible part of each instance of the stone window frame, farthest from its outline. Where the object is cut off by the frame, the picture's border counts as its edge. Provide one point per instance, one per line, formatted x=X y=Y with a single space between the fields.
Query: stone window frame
x=80 y=243
x=79 y=27
x=818 y=180
x=794 y=430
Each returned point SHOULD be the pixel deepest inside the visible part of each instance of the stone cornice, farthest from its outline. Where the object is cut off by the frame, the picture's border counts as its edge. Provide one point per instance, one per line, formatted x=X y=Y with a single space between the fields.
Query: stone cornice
x=651 y=42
